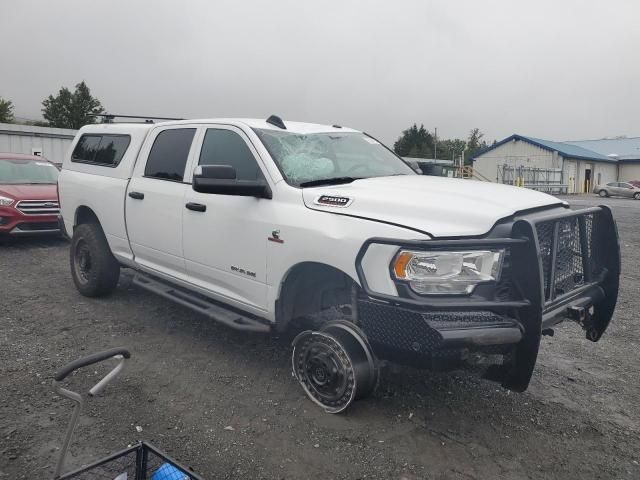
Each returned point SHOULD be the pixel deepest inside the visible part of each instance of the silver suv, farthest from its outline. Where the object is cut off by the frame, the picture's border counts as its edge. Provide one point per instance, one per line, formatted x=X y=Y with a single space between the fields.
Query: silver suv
x=618 y=189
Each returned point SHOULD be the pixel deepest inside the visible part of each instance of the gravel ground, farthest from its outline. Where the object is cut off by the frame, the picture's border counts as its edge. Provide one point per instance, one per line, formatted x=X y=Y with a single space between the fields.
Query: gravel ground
x=225 y=403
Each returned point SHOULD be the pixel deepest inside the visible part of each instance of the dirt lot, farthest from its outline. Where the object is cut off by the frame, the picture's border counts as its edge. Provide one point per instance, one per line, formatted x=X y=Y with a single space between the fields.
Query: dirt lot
x=189 y=379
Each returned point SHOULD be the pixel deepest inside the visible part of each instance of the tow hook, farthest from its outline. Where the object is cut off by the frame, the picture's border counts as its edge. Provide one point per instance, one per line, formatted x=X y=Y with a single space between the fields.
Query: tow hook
x=578 y=314
x=583 y=316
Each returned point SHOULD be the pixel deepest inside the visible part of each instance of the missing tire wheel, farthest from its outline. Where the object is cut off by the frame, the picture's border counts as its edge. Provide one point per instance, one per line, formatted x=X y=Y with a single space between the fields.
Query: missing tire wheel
x=334 y=366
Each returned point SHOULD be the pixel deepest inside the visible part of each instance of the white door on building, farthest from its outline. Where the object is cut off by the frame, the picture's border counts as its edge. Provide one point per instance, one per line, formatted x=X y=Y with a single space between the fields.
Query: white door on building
x=570 y=173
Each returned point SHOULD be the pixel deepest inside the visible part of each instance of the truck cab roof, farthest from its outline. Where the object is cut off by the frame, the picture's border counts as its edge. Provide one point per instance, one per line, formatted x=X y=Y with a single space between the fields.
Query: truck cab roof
x=293 y=127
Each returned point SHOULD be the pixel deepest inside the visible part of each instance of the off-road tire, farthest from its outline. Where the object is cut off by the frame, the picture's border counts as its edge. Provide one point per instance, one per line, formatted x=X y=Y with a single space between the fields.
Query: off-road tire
x=94 y=269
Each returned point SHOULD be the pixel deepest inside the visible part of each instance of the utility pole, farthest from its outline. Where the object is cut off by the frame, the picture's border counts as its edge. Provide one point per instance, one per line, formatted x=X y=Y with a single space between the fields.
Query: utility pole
x=435 y=143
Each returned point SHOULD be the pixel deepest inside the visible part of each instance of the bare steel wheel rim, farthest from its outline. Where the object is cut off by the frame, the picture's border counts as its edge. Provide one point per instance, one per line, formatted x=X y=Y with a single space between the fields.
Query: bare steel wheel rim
x=83 y=262
x=365 y=364
x=324 y=370
x=335 y=366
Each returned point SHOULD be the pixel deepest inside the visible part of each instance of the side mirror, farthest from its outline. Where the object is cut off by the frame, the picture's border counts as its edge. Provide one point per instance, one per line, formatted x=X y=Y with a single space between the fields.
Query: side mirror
x=221 y=180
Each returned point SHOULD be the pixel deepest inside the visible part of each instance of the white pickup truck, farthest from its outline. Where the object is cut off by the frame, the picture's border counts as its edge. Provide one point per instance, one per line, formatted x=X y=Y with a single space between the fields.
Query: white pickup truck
x=268 y=225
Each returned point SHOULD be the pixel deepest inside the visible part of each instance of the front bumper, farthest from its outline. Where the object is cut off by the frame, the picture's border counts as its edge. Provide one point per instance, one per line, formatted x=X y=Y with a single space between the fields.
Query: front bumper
x=15 y=223
x=561 y=264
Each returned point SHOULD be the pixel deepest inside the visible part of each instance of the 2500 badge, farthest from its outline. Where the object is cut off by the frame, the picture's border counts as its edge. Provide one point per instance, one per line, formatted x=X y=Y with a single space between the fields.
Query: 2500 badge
x=333 y=201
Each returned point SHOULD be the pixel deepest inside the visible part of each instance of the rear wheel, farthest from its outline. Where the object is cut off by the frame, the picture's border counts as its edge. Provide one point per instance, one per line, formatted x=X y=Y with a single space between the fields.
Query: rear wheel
x=603 y=193
x=94 y=269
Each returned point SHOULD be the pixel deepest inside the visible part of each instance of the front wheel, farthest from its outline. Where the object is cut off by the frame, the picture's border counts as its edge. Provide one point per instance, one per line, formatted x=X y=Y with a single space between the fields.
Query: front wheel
x=94 y=269
x=637 y=196
x=335 y=366
x=603 y=193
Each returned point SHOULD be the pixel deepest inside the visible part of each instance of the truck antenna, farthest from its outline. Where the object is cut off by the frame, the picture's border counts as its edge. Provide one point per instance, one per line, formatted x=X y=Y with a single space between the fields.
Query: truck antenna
x=276 y=121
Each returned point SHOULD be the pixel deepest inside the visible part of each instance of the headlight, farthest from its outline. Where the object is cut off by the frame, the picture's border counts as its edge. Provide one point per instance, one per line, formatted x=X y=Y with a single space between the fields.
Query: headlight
x=5 y=202
x=453 y=273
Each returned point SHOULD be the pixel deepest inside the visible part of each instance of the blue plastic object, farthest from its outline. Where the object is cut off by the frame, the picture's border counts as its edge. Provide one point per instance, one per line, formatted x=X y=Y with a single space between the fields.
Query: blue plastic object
x=169 y=472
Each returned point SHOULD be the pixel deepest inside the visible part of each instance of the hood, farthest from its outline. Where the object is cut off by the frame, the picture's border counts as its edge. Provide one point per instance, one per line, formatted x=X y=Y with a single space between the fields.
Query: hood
x=441 y=207
x=30 y=192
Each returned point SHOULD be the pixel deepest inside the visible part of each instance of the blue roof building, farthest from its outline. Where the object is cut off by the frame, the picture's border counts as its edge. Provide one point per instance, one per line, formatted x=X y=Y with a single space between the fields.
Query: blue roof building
x=624 y=149
x=559 y=167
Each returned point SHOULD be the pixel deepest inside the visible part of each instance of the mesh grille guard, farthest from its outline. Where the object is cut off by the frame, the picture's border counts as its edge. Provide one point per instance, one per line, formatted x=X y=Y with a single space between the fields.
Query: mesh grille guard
x=562 y=264
x=570 y=253
x=577 y=250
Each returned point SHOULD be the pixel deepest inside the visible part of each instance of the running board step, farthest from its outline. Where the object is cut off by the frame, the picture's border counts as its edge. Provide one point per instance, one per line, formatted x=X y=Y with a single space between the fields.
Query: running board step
x=201 y=305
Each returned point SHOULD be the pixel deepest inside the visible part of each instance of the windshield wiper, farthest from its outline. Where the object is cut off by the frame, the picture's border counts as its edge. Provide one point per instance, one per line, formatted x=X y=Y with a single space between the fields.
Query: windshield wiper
x=329 y=181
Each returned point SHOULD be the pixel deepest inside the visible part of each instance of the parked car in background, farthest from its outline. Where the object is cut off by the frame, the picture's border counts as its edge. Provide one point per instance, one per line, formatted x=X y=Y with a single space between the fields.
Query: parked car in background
x=28 y=195
x=618 y=189
x=635 y=183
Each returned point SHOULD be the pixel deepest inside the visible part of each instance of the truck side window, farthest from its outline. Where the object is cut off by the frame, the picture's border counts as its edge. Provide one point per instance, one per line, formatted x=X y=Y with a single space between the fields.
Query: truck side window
x=106 y=150
x=225 y=147
x=168 y=156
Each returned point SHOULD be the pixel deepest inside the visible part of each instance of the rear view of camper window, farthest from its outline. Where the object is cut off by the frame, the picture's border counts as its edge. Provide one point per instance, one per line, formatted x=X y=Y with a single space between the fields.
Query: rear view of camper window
x=106 y=150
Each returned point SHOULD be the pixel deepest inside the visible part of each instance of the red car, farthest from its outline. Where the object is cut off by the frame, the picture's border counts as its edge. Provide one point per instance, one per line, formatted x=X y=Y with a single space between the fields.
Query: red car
x=635 y=183
x=28 y=195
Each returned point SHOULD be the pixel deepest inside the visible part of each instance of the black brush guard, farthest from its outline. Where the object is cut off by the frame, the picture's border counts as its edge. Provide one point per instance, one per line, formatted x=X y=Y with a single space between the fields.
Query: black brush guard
x=559 y=264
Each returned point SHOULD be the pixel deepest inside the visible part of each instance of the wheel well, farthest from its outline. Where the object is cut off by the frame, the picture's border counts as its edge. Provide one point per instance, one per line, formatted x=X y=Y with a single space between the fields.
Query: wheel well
x=309 y=288
x=85 y=215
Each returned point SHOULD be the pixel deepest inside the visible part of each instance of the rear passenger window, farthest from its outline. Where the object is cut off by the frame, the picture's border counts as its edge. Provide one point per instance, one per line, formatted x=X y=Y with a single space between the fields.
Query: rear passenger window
x=224 y=147
x=168 y=156
x=106 y=150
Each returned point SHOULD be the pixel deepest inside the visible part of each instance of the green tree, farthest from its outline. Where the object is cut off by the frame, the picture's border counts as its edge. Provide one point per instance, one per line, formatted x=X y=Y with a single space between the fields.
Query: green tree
x=6 y=111
x=450 y=149
x=414 y=142
x=475 y=143
x=71 y=110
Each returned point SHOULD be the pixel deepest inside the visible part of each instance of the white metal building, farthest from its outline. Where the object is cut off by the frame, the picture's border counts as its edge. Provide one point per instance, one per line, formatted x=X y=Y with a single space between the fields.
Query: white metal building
x=626 y=150
x=51 y=143
x=556 y=167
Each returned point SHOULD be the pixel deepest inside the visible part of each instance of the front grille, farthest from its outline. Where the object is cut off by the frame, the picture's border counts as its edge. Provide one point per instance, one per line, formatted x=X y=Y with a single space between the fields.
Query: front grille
x=575 y=261
x=449 y=320
x=39 y=207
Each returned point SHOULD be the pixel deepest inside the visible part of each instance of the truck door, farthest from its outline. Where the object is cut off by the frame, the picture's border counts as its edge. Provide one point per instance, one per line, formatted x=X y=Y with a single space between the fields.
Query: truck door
x=225 y=236
x=155 y=201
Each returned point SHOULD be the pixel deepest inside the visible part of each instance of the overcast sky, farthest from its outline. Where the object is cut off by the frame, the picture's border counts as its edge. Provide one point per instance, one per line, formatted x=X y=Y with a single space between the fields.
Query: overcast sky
x=552 y=69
